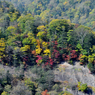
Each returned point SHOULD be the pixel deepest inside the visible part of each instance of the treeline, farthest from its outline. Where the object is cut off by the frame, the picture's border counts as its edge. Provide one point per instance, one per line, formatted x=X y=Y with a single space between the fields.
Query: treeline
x=78 y=11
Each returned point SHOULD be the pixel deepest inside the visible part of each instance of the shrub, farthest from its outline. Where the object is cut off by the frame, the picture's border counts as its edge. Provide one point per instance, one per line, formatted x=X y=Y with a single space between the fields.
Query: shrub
x=82 y=87
x=83 y=59
x=91 y=67
x=61 y=93
x=56 y=87
x=66 y=57
x=67 y=93
x=91 y=58
x=45 y=79
x=20 y=89
x=49 y=62
x=7 y=88
x=45 y=92
x=38 y=91
x=73 y=54
x=93 y=89
x=39 y=60
x=31 y=85
x=4 y=93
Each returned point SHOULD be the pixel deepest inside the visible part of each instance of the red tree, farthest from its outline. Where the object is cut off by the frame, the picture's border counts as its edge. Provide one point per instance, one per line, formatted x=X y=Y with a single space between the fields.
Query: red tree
x=44 y=92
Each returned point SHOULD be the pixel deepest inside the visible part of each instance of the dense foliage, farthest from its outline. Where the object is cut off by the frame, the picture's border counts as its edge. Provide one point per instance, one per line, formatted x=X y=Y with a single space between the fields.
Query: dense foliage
x=40 y=43
x=78 y=11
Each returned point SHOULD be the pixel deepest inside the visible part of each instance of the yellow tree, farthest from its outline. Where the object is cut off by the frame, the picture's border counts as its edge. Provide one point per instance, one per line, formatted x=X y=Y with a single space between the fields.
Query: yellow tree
x=13 y=16
x=42 y=32
x=11 y=30
x=2 y=47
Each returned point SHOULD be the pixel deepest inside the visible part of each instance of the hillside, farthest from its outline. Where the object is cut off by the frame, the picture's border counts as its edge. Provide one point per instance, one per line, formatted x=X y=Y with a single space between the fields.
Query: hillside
x=32 y=48
x=8 y=16
x=78 y=11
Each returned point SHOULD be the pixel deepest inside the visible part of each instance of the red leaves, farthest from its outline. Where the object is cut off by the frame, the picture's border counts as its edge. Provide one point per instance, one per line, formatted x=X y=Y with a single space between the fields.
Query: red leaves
x=66 y=57
x=44 y=92
x=49 y=62
x=73 y=54
x=39 y=58
x=55 y=53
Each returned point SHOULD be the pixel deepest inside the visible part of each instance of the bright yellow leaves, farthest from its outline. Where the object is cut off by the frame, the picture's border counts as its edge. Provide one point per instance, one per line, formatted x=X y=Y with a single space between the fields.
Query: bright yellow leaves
x=2 y=47
x=25 y=48
x=2 y=43
x=30 y=35
x=33 y=41
x=83 y=56
x=82 y=59
x=32 y=38
x=40 y=34
x=44 y=44
x=38 y=51
x=11 y=28
x=54 y=21
x=4 y=93
x=47 y=52
x=91 y=58
x=41 y=28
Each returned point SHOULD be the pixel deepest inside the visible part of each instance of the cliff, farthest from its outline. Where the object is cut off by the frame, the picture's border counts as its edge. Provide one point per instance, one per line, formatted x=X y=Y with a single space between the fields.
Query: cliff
x=70 y=75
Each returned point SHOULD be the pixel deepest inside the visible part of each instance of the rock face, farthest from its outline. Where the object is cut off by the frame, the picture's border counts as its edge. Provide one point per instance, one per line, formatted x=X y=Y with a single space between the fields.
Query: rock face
x=70 y=76
x=67 y=74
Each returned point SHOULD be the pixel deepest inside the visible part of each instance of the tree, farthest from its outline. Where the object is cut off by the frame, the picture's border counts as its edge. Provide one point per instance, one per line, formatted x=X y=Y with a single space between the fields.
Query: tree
x=45 y=92
x=2 y=48
x=83 y=33
x=72 y=38
x=45 y=16
x=59 y=28
x=11 y=30
x=26 y=22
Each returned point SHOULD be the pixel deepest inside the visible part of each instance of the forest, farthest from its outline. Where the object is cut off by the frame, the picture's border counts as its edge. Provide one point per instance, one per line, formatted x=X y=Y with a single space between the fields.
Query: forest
x=78 y=11
x=40 y=39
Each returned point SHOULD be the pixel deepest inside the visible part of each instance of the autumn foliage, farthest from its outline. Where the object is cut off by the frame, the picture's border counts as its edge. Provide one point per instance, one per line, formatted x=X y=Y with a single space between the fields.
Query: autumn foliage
x=45 y=93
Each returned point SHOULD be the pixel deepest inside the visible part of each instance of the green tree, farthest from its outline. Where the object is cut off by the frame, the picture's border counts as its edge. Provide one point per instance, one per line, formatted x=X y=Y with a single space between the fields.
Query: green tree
x=26 y=22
